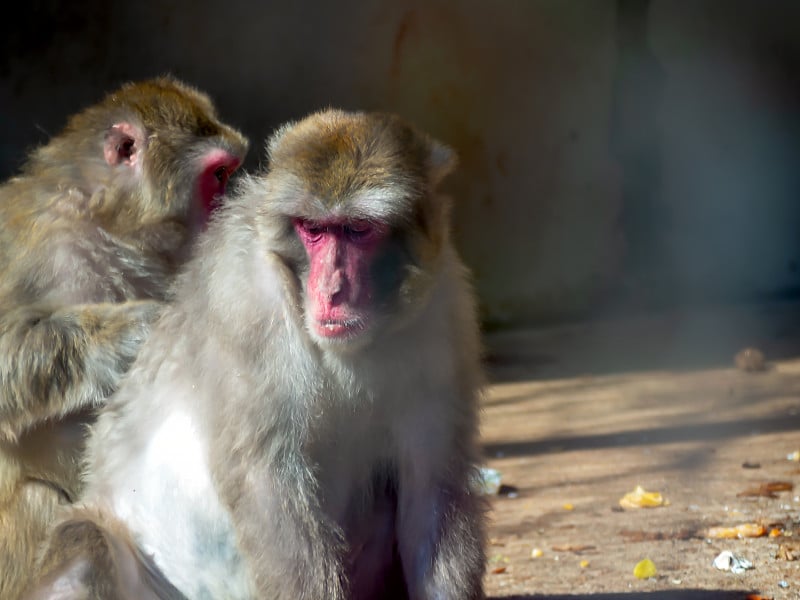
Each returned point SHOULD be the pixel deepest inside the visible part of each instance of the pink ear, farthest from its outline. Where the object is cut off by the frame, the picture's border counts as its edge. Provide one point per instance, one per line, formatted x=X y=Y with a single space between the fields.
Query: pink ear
x=122 y=144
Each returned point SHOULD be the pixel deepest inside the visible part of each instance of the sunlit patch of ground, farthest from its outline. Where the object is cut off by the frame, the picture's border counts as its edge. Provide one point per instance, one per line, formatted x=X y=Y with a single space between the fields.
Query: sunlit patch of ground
x=578 y=416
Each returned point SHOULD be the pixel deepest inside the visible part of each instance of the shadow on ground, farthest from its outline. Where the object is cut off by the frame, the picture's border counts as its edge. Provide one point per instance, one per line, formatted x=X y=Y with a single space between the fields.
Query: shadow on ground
x=662 y=595
x=644 y=437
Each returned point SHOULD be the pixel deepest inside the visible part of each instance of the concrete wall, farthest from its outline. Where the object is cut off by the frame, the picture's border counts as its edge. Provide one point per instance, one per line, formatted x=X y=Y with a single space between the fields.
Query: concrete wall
x=615 y=154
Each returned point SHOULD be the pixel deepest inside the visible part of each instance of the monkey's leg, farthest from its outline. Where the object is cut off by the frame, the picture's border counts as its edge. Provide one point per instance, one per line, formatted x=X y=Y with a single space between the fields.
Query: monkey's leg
x=59 y=361
x=92 y=557
x=441 y=541
x=24 y=518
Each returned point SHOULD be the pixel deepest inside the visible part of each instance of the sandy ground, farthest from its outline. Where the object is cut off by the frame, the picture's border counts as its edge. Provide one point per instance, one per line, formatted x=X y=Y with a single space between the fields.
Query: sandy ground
x=577 y=416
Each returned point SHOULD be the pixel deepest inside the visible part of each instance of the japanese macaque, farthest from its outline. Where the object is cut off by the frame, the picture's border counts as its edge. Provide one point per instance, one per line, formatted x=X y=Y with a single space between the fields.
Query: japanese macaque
x=92 y=232
x=302 y=421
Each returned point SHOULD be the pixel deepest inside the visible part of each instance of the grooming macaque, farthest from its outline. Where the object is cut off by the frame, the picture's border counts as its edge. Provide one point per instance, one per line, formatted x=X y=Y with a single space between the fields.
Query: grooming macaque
x=301 y=423
x=92 y=232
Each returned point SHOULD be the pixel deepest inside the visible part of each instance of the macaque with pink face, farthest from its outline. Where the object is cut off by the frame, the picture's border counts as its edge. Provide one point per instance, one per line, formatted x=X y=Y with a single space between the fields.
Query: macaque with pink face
x=92 y=233
x=301 y=424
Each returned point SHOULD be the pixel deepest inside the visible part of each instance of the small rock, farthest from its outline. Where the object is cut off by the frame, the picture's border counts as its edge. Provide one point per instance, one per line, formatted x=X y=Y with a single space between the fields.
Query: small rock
x=750 y=360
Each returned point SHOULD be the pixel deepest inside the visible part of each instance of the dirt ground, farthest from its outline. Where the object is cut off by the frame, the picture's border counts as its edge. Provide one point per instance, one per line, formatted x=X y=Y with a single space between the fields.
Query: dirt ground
x=577 y=416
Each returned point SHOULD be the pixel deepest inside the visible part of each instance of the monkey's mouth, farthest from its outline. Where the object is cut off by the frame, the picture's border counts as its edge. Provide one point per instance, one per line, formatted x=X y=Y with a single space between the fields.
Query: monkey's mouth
x=340 y=328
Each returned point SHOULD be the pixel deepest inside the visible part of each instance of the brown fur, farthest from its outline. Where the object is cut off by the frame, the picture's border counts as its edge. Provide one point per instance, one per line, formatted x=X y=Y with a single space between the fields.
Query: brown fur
x=92 y=232
x=336 y=157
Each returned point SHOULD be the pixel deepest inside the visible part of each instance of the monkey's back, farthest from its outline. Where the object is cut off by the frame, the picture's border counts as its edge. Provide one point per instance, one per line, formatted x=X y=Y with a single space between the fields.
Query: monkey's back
x=54 y=251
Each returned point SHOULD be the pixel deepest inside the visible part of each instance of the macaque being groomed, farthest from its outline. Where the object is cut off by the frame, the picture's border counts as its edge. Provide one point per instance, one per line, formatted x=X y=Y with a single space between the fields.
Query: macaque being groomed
x=301 y=423
x=92 y=232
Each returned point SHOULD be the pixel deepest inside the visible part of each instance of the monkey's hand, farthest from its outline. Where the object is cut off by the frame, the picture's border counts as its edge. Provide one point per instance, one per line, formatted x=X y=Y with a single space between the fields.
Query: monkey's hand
x=55 y=362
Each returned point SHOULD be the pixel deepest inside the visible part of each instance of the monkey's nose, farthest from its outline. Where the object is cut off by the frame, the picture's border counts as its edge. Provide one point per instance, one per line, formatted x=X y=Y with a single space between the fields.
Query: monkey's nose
x=337 y=288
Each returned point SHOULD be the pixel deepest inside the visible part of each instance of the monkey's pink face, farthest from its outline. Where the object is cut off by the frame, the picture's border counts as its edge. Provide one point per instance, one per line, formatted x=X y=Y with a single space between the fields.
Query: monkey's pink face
x=217 y=168
x=340 y=296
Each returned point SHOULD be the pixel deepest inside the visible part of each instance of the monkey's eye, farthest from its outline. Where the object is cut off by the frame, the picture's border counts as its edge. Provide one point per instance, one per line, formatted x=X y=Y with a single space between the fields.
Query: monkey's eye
x=308 y=230
x=359 y=231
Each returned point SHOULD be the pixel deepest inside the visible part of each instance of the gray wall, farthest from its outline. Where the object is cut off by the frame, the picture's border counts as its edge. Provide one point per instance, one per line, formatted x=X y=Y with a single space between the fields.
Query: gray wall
x=615 y=154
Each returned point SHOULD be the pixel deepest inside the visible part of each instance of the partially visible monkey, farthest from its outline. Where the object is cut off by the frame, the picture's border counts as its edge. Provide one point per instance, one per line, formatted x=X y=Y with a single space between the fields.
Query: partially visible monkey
x=301 y=423
x=92 y=232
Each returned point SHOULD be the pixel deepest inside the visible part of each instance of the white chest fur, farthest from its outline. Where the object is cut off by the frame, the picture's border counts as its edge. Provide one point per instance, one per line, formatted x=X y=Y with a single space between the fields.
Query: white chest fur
x=167 y=498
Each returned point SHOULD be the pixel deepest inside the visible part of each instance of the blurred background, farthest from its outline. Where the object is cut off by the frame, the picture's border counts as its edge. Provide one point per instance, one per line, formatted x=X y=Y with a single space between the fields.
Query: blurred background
x=618 y=157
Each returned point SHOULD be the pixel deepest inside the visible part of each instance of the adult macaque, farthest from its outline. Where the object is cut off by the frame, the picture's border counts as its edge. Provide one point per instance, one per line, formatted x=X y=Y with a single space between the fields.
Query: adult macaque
x=301 y=423
x=91 y=234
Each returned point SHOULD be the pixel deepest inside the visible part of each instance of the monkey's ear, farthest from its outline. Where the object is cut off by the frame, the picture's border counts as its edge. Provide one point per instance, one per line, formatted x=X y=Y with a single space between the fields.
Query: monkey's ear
x=441 y=161
x=122 y=144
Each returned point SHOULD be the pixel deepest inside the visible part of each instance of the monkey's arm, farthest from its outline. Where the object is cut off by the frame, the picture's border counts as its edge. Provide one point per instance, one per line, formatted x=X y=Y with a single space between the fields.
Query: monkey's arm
x=58 y=361
x=294 y=551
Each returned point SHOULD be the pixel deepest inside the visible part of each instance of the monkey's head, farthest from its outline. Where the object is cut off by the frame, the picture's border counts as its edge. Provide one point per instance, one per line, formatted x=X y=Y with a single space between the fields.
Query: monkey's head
x=163 y=153
x=353 y=198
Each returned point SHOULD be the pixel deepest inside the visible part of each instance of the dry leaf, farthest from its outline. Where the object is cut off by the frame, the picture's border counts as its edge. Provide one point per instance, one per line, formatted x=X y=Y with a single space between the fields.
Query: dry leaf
x=789 y=551
x=577 y=548
x=632 y=535
x=768 y=489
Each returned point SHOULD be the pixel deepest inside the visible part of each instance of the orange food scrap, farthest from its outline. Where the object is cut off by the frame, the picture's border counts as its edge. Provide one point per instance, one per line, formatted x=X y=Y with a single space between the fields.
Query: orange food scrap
x=775 y=532
x=757 y=597
x=641 y=498
x=498 y=570
x=745 y=530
